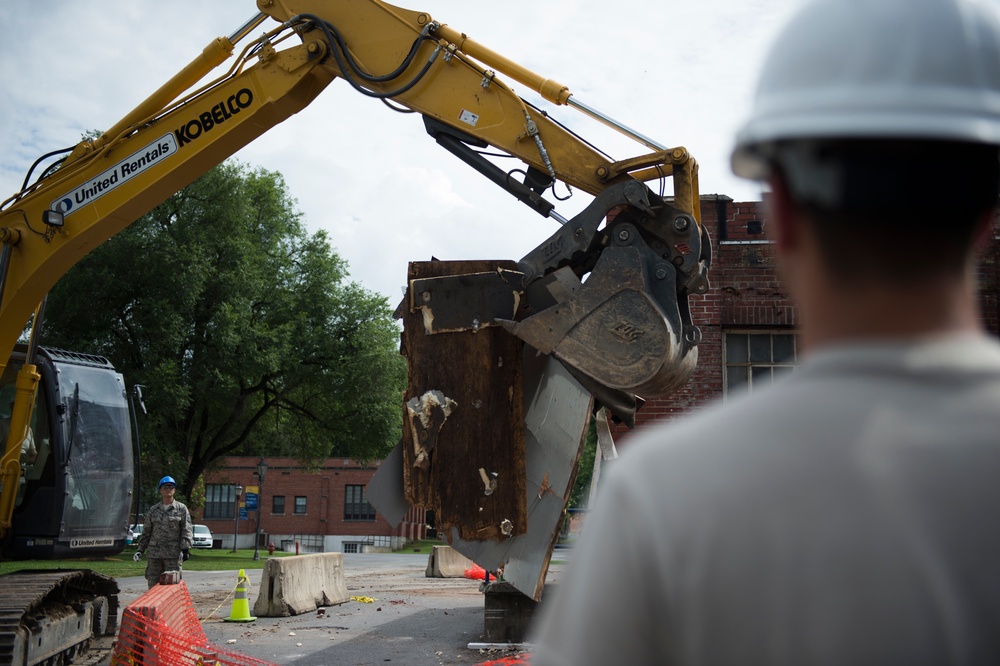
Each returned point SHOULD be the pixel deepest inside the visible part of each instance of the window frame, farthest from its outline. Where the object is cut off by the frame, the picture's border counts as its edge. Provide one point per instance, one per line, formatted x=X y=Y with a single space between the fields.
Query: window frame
x=753 y=359
x=357 y=508
x=228 y=503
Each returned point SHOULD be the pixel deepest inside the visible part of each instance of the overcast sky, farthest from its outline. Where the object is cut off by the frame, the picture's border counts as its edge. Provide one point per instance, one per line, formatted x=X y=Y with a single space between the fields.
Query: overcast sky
x=680 y=72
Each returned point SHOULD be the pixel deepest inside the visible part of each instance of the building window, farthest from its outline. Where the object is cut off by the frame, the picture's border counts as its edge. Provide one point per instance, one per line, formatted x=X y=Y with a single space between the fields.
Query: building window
x=278 y=504
x=220 y=501
x=300 y=504
x=351 y=547
x=754 y=360
x=356 y=507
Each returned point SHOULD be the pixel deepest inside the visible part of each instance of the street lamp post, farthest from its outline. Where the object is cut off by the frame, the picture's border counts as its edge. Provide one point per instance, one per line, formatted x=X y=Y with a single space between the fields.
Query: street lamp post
x=261 y=471
x=236 y=516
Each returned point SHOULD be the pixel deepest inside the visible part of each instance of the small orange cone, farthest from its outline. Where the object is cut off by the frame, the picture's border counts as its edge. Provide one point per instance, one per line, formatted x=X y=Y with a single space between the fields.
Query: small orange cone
x=241 y=603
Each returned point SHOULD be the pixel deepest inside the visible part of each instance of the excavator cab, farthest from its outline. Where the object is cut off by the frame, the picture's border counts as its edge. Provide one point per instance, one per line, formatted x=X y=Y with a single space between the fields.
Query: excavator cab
x=76 y=486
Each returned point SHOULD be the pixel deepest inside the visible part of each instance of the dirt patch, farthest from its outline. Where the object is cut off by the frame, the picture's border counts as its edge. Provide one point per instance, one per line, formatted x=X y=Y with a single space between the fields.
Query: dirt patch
x=211 y=605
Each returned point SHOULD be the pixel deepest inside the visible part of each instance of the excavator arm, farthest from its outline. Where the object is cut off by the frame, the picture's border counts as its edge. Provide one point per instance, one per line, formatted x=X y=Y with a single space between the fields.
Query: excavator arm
x=625 y=329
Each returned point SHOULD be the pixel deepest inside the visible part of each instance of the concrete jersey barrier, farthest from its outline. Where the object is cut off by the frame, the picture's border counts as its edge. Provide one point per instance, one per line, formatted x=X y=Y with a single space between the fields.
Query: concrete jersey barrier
x=300 y=584
x=446 y=562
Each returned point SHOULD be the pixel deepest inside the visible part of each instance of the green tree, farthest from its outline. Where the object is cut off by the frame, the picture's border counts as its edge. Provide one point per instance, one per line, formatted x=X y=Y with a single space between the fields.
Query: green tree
x=580 y=495
x=243 y=327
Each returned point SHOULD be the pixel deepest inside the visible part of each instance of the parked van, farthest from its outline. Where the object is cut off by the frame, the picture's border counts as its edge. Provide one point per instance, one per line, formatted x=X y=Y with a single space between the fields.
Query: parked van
x=202 y=536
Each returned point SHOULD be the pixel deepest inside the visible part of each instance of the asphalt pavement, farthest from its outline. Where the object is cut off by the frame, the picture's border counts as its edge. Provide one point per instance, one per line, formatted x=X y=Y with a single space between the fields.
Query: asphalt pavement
x=410 y=619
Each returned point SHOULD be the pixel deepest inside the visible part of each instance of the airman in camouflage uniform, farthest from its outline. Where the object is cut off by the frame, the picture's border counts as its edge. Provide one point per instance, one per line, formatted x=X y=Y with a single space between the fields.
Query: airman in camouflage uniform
x=167 y=534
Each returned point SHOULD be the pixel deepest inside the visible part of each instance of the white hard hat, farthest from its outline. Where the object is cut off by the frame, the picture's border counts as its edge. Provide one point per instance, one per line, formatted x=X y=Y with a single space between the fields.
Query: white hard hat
x=856 y=69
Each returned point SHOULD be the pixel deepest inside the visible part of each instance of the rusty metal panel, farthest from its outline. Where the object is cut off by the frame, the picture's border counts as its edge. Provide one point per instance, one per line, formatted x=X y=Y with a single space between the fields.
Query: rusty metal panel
x=464 y=401
x=558 y=410
x=466 y=302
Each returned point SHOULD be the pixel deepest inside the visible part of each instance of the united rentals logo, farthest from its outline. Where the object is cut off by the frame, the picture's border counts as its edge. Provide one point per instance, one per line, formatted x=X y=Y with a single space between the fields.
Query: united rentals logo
x=116 y=176
x=90 y=543
x=218 y=114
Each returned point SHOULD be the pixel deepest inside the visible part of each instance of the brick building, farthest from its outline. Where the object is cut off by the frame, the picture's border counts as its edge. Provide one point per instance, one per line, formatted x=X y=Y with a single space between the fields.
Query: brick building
x=747 y=319
x=321 y=510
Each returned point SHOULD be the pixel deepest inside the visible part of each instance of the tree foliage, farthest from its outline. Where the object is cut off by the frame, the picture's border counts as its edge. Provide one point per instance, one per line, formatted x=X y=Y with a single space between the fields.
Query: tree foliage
x=243 y=327
x=580 y=496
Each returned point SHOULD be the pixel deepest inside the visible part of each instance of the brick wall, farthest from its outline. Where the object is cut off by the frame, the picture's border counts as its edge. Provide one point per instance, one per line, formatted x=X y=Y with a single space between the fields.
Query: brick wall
x=989 y=279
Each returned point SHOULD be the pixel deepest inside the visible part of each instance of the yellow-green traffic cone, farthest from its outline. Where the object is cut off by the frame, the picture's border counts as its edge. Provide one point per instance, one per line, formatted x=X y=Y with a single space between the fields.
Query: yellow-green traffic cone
x=241 y=603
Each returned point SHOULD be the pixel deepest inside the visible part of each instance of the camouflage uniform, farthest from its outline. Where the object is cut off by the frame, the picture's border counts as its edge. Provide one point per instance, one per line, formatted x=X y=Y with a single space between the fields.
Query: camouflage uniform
x=166 y=532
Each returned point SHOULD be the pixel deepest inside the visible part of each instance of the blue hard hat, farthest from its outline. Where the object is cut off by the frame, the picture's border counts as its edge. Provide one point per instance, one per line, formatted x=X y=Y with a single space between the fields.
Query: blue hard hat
x=165 y=480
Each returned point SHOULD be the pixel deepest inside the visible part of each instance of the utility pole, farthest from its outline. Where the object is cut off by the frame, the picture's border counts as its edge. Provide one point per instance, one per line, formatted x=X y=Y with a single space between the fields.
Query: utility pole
x=236 y=516
x=261 y=471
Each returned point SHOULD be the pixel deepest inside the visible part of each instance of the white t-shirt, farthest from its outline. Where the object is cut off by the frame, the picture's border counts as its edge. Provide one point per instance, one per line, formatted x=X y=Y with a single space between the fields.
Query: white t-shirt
x=848 y=515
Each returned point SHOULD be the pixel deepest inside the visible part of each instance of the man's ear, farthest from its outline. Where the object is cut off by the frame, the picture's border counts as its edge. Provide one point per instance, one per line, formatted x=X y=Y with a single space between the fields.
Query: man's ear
x=783 y=226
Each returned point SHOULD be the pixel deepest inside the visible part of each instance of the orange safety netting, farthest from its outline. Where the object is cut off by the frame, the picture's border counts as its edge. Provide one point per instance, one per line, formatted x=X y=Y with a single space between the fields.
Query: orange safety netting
x=517 y=660
x=161 y=628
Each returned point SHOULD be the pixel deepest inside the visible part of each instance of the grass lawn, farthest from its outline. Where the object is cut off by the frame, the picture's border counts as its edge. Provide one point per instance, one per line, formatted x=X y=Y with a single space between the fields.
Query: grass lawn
x=423 y=547
x=122 y=566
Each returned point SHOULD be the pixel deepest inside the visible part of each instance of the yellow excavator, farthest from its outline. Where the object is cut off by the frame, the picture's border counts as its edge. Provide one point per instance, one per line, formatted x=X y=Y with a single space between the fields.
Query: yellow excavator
x=606 y=294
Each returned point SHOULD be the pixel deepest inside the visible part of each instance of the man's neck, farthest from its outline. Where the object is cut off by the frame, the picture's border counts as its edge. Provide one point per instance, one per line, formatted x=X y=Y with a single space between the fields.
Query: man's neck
x=837 y=314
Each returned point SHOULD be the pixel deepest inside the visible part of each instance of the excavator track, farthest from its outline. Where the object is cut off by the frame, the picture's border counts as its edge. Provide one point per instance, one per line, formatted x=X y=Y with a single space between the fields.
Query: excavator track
x=56 y=617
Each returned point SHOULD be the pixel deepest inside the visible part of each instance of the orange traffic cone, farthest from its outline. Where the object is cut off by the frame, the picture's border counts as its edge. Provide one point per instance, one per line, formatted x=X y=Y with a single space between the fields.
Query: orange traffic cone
x=241 y=603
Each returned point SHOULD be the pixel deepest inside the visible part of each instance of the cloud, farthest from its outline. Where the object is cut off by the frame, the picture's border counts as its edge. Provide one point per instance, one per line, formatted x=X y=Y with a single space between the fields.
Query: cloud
x=681 y=73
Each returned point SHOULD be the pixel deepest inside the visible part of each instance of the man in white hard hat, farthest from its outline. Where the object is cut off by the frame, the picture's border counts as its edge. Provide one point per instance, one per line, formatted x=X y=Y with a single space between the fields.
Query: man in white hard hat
x=847 y=515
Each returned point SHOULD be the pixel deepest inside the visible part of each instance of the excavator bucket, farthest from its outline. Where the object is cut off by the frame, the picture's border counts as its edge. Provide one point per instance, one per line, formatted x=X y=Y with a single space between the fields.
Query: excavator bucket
x=612 y=328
